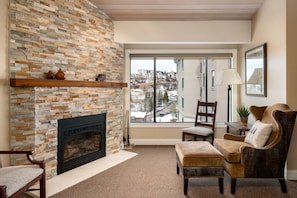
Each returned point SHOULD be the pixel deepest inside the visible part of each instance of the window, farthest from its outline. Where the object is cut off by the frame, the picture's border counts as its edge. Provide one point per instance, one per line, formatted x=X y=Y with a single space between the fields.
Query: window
x=165 y=88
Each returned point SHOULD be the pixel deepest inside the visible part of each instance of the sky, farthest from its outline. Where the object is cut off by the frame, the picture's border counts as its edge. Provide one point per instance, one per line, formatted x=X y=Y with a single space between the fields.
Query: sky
x=162 y=65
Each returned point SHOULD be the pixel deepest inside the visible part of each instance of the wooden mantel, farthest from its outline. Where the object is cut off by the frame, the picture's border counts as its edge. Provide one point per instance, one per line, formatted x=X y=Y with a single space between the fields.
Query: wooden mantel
x=63 y=83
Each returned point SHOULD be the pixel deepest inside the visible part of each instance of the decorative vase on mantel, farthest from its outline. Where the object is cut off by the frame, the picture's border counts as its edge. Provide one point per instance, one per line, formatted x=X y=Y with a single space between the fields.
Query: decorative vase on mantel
x=60 y=75
x=50 y=75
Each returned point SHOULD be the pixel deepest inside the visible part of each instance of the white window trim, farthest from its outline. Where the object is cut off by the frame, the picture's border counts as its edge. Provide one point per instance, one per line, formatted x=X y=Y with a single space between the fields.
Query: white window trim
x=128 y=52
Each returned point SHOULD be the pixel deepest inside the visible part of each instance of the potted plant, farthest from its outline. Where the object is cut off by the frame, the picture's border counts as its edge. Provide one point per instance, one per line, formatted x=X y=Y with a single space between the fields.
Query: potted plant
x=244 y=113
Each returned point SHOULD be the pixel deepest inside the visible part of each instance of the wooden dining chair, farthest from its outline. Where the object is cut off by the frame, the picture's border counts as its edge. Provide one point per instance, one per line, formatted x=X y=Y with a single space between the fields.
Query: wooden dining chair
x=204 y=122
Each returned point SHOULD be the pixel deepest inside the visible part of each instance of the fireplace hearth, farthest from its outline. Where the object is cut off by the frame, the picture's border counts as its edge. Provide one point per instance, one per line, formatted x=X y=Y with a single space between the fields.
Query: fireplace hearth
x=80 y=140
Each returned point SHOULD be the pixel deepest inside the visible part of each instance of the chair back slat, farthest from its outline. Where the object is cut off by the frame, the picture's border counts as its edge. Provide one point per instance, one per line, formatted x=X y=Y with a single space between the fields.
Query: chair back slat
x=206 y=114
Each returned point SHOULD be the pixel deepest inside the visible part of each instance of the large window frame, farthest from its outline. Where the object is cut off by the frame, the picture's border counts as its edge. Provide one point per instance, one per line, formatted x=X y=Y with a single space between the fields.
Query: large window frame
x=129 y=52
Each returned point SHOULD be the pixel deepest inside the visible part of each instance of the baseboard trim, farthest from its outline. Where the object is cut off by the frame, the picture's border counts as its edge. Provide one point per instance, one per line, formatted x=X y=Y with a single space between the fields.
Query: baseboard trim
x=154 y=141
x=291 y=174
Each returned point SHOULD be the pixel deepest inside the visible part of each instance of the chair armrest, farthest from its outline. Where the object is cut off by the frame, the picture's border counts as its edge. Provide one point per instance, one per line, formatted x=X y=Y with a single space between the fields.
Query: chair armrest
x=229 y=136
x=38 y=175
x=29 y=157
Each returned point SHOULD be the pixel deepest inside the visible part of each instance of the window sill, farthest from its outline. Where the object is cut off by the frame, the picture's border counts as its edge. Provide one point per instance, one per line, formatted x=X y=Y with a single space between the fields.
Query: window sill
x=167 y=125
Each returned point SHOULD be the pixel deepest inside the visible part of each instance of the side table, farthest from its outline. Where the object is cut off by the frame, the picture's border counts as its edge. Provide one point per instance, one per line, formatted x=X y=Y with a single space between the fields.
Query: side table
x=238 y=126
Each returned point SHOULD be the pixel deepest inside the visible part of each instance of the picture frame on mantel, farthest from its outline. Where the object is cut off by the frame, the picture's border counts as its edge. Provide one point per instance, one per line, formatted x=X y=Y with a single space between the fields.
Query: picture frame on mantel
x=256 y=71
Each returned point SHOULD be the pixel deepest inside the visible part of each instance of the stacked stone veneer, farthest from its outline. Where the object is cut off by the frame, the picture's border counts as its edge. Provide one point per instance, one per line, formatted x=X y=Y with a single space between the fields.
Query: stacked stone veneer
x=78 y=38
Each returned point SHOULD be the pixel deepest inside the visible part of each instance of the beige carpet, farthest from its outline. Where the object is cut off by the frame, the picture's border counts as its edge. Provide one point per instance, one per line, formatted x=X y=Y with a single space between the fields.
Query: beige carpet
x=152 y=174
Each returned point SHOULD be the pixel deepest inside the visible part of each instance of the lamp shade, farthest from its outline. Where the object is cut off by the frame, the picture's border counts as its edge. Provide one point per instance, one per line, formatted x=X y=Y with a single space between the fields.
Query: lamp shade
x=229 y=77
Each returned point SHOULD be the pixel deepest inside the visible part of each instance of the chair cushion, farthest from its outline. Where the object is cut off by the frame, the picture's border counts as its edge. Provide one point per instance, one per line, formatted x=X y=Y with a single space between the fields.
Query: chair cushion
x=203 y=131
x=198 y=153
x=258 y=134
x=16 y=177
x=230 y=149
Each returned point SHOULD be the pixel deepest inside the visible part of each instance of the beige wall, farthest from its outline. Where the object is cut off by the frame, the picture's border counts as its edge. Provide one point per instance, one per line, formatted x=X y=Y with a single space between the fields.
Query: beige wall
x=163 y=135
x=182 y=31
x=4 y=82
x=269 y=26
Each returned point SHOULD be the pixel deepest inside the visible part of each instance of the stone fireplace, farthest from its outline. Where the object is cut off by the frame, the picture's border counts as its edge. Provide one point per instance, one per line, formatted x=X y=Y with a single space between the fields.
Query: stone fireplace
x=80 y=140
x=78 y=38
x=35 y=115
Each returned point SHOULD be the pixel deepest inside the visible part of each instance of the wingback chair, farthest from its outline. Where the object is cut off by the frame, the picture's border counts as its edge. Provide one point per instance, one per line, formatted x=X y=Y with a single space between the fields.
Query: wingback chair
x=244 y=160
x=15 y=180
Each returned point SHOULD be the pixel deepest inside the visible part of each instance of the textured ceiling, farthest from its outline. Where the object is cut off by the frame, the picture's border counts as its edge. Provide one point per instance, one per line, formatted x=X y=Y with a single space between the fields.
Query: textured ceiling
x=179 y=9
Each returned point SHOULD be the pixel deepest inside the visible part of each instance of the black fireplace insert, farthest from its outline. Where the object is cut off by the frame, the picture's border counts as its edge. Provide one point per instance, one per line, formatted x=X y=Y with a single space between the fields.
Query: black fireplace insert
x=80 y=140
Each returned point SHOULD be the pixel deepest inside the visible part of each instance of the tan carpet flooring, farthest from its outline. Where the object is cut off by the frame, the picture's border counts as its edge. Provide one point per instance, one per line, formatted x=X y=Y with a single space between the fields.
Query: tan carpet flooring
x=152 y=174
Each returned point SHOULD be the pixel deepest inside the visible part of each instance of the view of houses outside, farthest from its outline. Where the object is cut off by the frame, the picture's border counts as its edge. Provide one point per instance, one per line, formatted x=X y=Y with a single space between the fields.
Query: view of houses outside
x=144 y=95
x=167 y=89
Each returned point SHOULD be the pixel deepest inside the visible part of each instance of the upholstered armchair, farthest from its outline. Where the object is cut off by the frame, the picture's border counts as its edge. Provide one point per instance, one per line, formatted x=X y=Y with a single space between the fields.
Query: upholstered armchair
x=15 y=180
x=245 y=160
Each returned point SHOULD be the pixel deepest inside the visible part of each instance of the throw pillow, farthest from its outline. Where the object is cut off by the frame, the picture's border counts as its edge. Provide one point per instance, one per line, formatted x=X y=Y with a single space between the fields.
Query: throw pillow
x=258 y=134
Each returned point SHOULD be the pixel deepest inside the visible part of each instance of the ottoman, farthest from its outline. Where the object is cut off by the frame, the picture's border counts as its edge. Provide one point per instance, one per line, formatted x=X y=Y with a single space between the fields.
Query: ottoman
x=199 y=159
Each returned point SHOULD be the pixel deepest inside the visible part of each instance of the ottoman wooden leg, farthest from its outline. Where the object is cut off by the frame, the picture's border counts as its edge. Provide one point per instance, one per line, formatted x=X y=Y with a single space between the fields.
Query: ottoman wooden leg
x=177 y=169
x=233 y=185
x=221 y=185
x=186 y=180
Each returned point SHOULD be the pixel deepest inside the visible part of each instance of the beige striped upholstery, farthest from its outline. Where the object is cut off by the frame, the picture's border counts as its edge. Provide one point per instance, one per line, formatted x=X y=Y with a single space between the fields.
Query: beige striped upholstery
x=16 y=177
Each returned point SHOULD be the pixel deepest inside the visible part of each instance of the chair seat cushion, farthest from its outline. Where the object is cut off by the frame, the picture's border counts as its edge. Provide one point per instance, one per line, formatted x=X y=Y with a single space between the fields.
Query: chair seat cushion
x=203 y=131
x=16 y=177
x=230 y=149
x=198 y=153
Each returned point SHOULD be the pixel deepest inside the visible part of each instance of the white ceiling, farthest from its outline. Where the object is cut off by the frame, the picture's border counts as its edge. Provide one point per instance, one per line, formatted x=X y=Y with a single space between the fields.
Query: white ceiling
x=133 y=10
